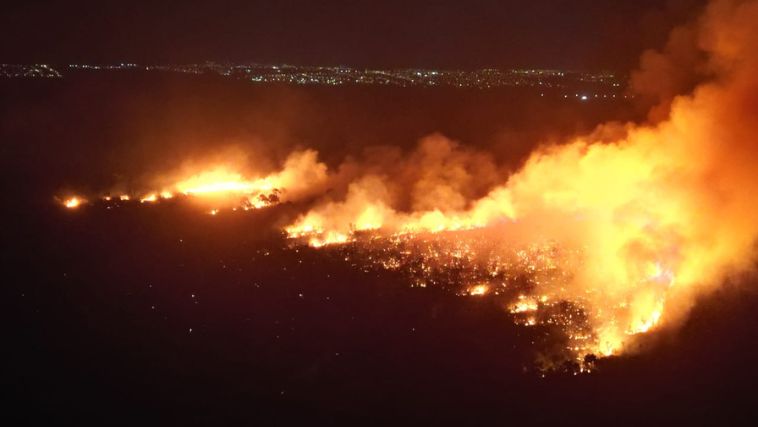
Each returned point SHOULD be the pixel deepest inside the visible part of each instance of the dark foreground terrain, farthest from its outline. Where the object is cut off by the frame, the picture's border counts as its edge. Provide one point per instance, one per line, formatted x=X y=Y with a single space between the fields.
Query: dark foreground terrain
x=166 y=315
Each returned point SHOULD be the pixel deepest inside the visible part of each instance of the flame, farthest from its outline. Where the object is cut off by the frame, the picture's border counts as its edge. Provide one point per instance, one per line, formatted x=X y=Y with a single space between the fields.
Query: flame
x=227 y=184
x=222 y=181
x=524 y=304
x=73 y=202
x=149 y=198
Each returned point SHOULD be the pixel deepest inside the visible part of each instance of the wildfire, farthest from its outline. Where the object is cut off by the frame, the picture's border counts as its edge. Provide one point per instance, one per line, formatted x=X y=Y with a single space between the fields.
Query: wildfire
x=607 y=236
x=614 y=250
x=638 y=219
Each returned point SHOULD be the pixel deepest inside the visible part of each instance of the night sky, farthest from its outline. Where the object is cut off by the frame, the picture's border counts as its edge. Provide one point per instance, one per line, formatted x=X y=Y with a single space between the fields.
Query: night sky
x=579 y=34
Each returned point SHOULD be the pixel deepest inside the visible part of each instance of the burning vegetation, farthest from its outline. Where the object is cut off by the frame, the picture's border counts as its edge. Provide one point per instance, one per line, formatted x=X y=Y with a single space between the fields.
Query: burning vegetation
x=225 y=185
x=607 y=236
x=638 y=219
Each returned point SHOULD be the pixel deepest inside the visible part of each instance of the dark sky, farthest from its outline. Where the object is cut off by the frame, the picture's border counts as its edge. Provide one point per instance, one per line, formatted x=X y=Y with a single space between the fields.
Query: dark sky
x=390 y=33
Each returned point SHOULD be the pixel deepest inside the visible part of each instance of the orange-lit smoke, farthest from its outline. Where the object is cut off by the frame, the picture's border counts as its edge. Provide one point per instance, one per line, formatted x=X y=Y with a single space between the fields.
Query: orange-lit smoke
x=435 y=182
x=662 y=213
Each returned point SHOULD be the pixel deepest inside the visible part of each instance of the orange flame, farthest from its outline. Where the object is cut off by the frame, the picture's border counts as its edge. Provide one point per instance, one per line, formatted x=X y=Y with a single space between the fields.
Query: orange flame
x=225 y=184
x=73 y=202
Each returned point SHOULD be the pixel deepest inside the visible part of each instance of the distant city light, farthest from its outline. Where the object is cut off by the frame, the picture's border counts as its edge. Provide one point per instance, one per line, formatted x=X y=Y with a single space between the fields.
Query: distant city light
x=558 y=80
